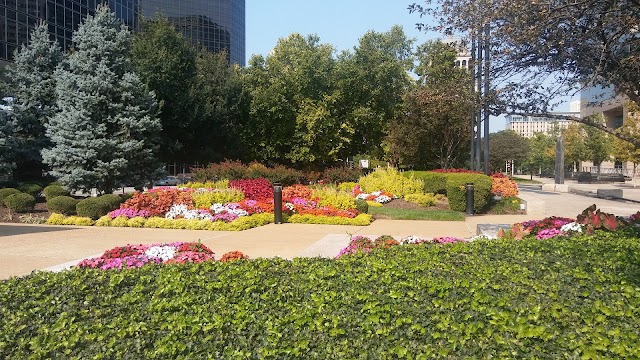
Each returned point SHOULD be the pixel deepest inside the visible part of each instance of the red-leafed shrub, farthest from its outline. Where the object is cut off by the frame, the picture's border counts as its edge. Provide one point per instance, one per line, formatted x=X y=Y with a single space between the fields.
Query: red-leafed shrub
x=158 y=201
x=257 y=189
x=257 y=207
x=341 y=174
x=227 y=169
x=233 y=255
x=296 y=191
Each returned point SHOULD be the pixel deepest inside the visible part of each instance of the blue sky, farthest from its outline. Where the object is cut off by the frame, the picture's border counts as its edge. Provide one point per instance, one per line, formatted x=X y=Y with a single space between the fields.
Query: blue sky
x=337 y=22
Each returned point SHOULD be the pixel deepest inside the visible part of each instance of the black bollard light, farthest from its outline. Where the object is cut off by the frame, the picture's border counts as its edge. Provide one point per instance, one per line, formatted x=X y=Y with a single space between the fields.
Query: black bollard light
x=469 y=188
x=277 y=203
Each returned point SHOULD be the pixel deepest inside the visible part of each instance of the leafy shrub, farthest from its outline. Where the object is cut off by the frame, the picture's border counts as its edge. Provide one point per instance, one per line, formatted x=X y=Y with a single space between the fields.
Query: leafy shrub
x=256 y=189
x=508 y=205
x=6 y=192
x=228 y=169
x=434 y=182
x=390 y=180
x=505 y=299
x=136 y=222
x=503 y=185
x=299 y=191
x=55 y=219
x=54 y=190
x=78 y=221
x=341 y=174
x=334 y=198
x=204 y=199
x=32 y=219
x=222 y=184
x=284 y=175
x=62 y=205
x=456 y=191
x=112 y=200
x=363 y=206
x=31 y=189
x=93 y=208
x=359 y=220
x=347 y=186
x=20 y=202
x=158 y=201
x=422 y=199
x=103 y=221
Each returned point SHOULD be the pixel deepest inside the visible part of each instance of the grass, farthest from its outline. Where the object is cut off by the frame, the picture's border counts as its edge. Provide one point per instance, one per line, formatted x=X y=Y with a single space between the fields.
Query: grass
x=419 y=214
x=509 y=205
x=525 y=181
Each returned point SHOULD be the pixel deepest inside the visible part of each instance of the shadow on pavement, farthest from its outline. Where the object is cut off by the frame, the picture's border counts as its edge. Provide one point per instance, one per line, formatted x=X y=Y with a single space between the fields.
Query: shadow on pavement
x=11 y=230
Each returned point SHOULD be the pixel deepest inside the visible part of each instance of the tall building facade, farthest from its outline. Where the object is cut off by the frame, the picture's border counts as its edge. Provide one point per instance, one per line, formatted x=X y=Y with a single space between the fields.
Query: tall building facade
x=215 y=24
x=528 y=126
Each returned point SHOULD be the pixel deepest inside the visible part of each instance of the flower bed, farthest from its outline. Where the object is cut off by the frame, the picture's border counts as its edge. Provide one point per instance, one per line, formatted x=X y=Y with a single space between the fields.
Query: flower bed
x=136 y=256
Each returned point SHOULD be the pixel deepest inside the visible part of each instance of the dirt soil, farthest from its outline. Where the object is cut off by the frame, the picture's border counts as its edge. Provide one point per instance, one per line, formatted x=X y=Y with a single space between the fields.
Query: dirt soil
x=11 y=217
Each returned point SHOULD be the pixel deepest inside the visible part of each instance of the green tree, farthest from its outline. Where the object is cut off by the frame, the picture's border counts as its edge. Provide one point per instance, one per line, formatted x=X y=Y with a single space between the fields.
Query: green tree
x=223 y=107
x=166 y=63
x=507 y=145
x=575 y=149
x=292 y=104
x=597 y=142
x=431 y=130
x=103 y=134
x=7 y=147
x=33 y=83
x=577 y=43
x=370 y=83
x=541 y=159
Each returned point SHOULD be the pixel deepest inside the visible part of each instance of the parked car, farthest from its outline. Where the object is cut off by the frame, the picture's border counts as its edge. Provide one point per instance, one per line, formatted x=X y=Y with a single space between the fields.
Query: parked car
x=167 y=181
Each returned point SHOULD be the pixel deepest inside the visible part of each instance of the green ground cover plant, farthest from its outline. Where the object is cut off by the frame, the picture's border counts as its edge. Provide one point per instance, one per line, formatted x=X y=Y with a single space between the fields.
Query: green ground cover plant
x=417 y=214
x=561 y=298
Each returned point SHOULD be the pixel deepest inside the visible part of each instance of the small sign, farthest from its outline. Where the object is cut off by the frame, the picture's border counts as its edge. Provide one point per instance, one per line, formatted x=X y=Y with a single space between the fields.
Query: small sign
x=364 y=164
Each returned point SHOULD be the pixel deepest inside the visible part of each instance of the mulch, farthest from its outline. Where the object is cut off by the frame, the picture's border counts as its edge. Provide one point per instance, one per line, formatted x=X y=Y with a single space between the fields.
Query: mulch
x=7 y=216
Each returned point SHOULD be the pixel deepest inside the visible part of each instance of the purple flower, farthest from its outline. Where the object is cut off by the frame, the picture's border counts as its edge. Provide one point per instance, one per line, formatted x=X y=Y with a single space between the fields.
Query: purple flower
x=129 y=213
x=548 y=233
x=225 y=216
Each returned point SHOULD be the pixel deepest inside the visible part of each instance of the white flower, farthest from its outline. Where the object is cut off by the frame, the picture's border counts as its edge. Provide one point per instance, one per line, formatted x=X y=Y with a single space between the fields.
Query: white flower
x=482 y=237
x=376 y=193
x=289 y=206
x=176 y=210
x=383 y=199
x=197 y=215
x=362 y=196
x=412 y=239
x=217 y=208
x=571 y=227
x=162 y=252
x=238 y=211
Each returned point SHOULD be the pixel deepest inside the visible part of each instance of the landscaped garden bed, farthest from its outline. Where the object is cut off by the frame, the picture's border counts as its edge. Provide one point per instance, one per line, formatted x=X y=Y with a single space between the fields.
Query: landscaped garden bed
x=530 y=294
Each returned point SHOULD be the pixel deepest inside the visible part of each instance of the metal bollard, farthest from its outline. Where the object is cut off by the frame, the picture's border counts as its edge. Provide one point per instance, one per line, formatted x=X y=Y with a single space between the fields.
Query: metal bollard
x=277 y=203
x=469 y=189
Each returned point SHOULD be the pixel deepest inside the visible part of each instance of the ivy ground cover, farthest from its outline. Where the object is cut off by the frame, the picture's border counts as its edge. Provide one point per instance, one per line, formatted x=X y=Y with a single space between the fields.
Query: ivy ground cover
x=561 y=298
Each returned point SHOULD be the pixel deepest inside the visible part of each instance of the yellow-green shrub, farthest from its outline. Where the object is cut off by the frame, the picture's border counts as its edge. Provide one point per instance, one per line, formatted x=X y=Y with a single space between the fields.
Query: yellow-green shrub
x=422 y=199
x=120 y=221
x=204 y=199
x=157 y=223
x=222 y=184
x=136 y=222
x=104 y=221
x=55 y=219
x=390 y=180
x=334 y=198
x=373 y=203
x=360 y=220
x=78 y=220
x=346 y=186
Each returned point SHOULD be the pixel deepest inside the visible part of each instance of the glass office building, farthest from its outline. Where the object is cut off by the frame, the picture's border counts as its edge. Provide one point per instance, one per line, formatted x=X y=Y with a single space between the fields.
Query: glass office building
x=214 y=24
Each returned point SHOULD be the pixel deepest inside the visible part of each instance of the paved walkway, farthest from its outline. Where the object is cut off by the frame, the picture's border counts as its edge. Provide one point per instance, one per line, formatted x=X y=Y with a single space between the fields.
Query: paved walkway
x=25 y=248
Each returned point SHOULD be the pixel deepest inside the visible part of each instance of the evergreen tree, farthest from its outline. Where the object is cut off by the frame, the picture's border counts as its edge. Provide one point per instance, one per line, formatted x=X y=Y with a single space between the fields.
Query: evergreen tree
x=105 y=132
x=7 y=147
x=34 y=99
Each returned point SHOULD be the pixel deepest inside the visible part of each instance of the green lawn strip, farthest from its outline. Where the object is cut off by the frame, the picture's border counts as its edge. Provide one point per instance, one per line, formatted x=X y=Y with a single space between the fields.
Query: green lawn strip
x=417 y=214
x=558 y=298
x=526 y=181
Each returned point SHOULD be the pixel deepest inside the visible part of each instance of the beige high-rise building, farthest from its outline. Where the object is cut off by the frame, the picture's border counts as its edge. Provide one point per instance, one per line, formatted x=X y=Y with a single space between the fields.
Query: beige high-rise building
x=528 y=126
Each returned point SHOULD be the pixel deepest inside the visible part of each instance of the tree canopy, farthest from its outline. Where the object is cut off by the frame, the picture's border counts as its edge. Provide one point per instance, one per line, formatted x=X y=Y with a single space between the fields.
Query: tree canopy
x=542 y=49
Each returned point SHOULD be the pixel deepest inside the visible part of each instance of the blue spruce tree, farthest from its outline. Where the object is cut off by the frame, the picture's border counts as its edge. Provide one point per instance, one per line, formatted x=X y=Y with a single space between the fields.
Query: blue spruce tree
x=33 y=82
x=105 y=133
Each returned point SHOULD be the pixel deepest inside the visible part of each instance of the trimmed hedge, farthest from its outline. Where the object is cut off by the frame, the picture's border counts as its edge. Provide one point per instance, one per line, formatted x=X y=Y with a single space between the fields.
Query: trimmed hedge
x=54 y=190
x=6 y=192
x=561 y=299
x=31 y=189
x=20 y=202
x=62 y=205
x=112 y=200
x=359 y=220
x=435 y=183
x=456 y=192
x=241 y=223
x=362 y=206
x=93 y=208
